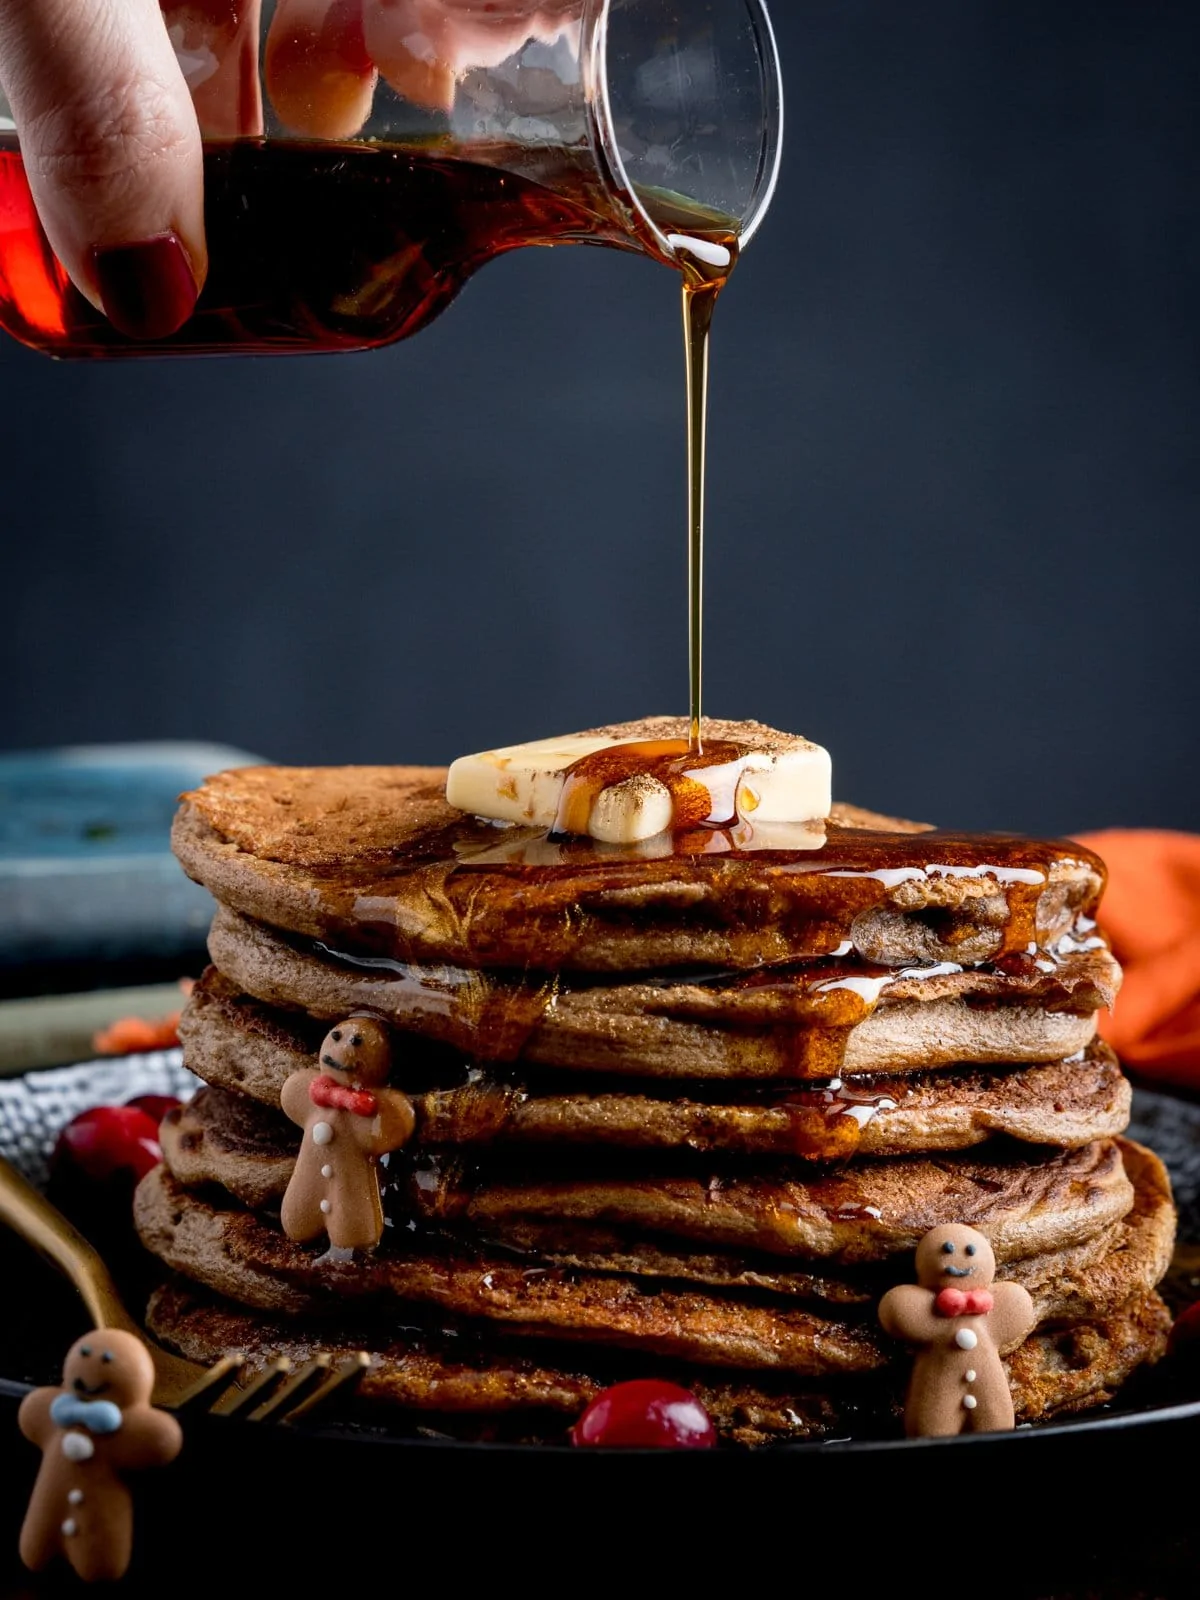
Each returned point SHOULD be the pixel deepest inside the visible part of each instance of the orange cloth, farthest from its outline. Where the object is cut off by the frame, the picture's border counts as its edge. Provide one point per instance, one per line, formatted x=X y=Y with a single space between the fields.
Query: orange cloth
x=1151 y=914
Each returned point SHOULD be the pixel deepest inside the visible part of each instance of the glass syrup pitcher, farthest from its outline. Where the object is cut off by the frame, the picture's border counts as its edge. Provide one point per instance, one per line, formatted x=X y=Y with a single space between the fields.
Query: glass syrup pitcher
x=362 y=158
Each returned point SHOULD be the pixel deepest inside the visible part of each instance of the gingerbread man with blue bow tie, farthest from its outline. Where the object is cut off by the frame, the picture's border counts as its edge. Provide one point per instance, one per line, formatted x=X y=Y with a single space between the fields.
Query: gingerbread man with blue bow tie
x=96 y=1427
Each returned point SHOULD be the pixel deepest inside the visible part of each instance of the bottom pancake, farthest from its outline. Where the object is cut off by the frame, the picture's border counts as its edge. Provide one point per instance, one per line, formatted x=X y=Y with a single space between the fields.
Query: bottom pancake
x=427 y=1381
x=235 y=1253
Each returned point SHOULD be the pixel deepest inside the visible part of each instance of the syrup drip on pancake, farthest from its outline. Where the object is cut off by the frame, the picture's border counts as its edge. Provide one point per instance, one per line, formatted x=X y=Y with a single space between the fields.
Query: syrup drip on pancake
x=823 y=881
x=827 y=1124
x=376 y=864
x=494 y=1018
x=824 y=1124
x=491 y=1019
x=812 y=1007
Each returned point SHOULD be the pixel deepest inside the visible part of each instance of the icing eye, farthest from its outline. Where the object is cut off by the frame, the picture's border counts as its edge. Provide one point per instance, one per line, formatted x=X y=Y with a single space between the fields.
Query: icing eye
x=970 y=1249
x=948 y=1248
x=336 y=1035
x=356 y=1040
x=106 y=1355
x=85 y=1349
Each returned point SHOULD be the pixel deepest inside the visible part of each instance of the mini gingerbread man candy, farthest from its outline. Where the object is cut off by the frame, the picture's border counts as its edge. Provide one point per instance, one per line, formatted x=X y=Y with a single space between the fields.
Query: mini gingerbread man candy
x=350 y=1119
x=93 y=1430
x=961 y=1321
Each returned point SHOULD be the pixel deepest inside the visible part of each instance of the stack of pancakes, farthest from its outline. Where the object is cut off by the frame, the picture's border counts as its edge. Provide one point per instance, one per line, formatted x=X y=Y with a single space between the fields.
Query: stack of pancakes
x=683 y=1110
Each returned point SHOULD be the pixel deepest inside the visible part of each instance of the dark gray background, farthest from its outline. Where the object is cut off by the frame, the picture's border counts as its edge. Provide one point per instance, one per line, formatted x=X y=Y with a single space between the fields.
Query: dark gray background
x=954 y=465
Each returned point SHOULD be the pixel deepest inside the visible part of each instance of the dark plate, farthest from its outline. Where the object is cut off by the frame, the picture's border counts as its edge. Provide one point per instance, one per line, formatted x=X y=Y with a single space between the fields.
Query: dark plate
x=1093 y=1505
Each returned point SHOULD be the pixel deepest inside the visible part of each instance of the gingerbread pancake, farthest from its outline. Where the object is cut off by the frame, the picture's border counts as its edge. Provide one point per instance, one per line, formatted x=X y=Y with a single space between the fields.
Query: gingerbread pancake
x=426 y=1379
x=1025 y=1202
x=223 y=1137
x=371 y=860
x=236 y=1254
x=1133 y=1252
x=819 y=1020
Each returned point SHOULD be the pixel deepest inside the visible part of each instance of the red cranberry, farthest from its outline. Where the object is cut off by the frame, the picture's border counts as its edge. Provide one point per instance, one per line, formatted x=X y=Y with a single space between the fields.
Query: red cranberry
x=646 y=1415
x=155 y=1106
x=109 y=1140
x=1185 y=1335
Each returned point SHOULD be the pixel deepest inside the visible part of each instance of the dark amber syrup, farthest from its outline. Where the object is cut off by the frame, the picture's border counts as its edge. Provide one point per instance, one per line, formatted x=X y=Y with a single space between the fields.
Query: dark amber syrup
x=314 y=247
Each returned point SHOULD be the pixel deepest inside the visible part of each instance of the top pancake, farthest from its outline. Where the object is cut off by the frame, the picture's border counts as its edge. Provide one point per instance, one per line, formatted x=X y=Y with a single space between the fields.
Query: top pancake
x=371 y=860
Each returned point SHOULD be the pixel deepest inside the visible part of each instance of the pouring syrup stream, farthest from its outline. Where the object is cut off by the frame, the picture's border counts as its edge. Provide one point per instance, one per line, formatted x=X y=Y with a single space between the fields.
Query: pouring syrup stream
x=706 y=261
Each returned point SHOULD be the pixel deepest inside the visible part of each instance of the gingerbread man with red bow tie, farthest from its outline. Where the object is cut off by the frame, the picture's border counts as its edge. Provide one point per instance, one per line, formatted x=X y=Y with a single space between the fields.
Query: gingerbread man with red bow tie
x=350 y=1119
x=961 y=1320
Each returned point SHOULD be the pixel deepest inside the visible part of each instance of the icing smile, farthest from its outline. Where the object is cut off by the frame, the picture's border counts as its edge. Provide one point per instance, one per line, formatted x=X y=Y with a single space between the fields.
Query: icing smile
x=89 y=1388
x=958 y=1272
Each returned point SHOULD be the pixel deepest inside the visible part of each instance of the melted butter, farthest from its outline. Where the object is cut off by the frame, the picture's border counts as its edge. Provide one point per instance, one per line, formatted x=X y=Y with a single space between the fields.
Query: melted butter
x=702 y=783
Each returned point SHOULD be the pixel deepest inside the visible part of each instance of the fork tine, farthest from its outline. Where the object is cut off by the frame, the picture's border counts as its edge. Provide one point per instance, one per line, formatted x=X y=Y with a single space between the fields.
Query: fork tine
x=311 y=1372
x=220 y=1374
x=347 y=1372
x=237 y=1401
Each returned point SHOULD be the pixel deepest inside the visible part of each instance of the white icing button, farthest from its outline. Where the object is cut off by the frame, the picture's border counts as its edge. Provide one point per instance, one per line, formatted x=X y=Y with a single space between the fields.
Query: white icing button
x=69 y=1527
x=966 y=1338
x=75 y=1498
x=326 y=1207
x=322 y=1133
x=77 y=1447
x=970 y=1402
x=970 y=1374
x=327 y=1171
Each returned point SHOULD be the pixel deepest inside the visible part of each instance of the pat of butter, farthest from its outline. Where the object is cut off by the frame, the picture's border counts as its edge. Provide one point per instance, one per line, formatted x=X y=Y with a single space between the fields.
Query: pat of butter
x=789 y=783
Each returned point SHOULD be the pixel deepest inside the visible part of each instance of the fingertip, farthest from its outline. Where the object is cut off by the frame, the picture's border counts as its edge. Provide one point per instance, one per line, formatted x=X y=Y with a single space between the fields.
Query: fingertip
x=112 y=154
x=319 y=77
x=421 y=75
x=430 y=84
x=147 y=289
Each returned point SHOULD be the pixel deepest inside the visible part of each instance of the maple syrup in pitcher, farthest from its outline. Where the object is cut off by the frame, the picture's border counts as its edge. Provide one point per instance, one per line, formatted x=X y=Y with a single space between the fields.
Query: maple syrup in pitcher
x=319 y=246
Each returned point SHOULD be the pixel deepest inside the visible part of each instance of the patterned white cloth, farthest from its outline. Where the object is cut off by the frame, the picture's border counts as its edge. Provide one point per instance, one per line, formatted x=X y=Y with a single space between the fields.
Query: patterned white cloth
x=34 y=1108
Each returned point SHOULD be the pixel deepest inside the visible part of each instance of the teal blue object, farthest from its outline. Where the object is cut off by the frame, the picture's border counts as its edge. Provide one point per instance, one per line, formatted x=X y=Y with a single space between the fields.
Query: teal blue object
x=86 y=870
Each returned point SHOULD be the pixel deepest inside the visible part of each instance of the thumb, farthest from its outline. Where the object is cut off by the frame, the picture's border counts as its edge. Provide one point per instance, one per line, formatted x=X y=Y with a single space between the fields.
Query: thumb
x=112 y=152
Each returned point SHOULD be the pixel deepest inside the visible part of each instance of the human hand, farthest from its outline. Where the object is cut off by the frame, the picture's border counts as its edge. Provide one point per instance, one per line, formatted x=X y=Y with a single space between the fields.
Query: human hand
x=111 y=148
x=110 y=100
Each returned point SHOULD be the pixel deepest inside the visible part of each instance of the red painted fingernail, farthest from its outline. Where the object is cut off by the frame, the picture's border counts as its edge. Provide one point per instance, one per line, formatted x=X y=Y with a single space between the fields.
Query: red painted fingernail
x=148 y=289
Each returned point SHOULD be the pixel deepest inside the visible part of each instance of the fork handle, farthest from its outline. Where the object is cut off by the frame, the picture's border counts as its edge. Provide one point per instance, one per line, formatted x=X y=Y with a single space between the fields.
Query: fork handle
x=42 y=1225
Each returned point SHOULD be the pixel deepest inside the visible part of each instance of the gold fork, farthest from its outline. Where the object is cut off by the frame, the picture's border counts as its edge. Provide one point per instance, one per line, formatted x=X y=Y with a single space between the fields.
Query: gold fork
x=274 y=1393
